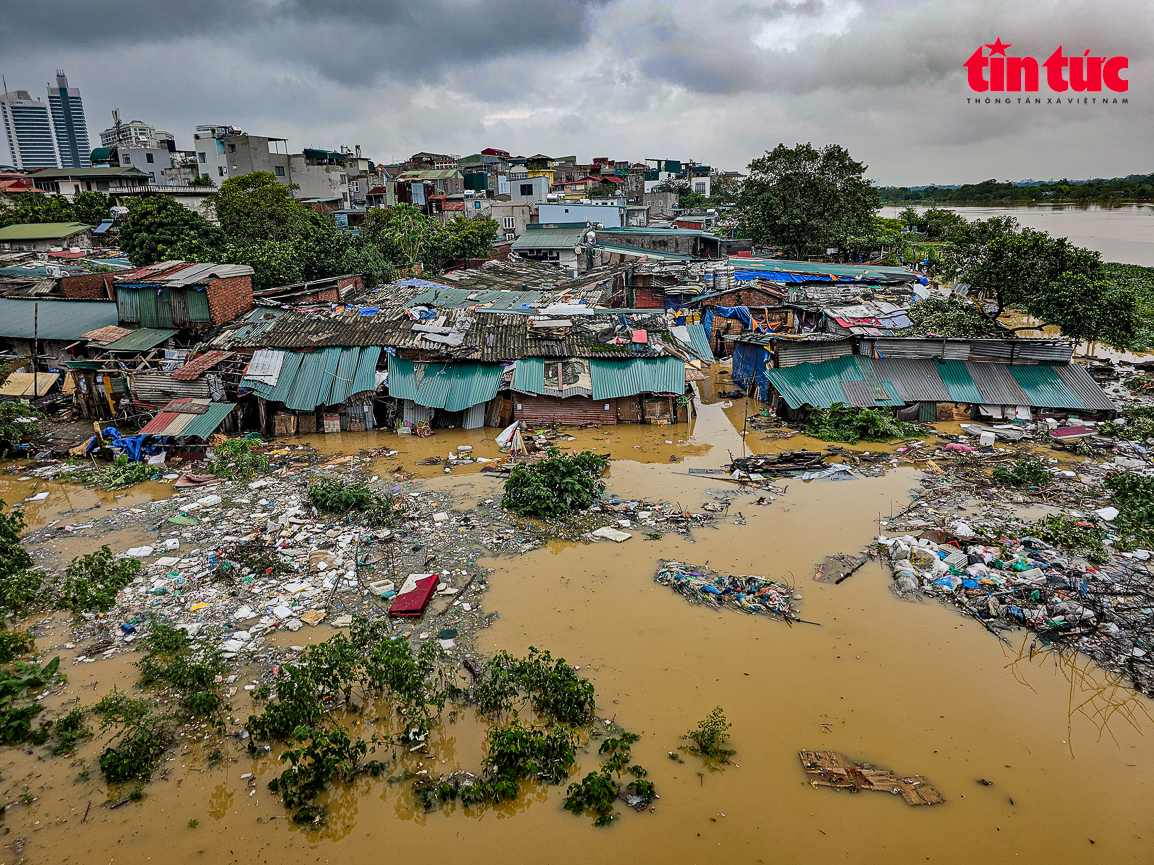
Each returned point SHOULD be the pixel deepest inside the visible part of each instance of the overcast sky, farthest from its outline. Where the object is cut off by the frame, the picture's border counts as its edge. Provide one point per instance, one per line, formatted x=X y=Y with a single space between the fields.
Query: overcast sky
x=718 y=82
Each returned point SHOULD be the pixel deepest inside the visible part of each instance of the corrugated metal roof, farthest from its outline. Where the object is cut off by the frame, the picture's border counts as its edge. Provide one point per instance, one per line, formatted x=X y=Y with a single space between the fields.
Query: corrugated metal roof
x=105 y=335
x=197 y=366
x=326 y=377
x=58 y=319
x=21 y=383
x=199 y=274
x=641 y=252
x=174 y=422
x=450 y=386
x=141 y=339
x=1078 y=380
x=614 y=378
x=157 y=388
x=248 y=330
x=959 y=383
x=841 y=271
x=42 y=231
x=695 y=338
x=1044 y=387
x=914 y=380
x=551 y=238
x=996 y=385
x=265 y=366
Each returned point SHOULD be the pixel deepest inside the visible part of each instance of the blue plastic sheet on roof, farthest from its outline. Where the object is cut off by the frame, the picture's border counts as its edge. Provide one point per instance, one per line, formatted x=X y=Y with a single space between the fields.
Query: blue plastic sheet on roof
x=738 y=312
x=421 y=283
x=369 y=310
x=779 y=276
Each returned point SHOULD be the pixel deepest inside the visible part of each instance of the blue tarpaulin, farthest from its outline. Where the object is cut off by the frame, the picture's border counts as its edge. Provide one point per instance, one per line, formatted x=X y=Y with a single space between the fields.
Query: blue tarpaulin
x=780 y=276
x=738 y=312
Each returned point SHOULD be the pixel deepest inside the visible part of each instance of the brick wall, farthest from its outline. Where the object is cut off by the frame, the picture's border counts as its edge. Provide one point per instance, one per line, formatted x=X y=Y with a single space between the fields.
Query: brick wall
x=228 y=298
x=88 y=286
x=354 y=281
x=743 y=297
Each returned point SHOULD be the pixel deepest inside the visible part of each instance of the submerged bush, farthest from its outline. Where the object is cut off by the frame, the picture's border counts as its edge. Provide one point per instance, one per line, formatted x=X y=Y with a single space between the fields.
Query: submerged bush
x=844 y=423
x=1029 y=472
x=235 y=460
x=709 y=740
x=91 y=582
x=556 y=485
x=120 y=474
x=1133 y=496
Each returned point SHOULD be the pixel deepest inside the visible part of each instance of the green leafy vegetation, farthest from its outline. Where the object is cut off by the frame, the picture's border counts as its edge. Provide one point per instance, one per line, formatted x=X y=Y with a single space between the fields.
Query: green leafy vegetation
x=1073 y=534
x=843 y=423
x=556 y=485
x=18 y=423
x=1133 y=496
x=236 y=461
x=14 y=644
x=951 y=317
x=256 y=556
x=709 y=740
x=1139 y=424
x=1029 y=472
x=20 y=586
x=324 y=756
x=140 y=737
x=17 y=704
x=121 y=474
x=1130 y=188
x=553 y=688
x=338 y=497
x=187 y=666
x=67 y=732
x=36 y=207
x=91 y=582
x=596 y=793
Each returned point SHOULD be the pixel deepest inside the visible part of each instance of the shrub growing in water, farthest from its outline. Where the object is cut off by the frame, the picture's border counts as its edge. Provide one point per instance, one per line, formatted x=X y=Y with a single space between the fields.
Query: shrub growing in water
x=556 y=485
x=1133 y=495
x=844 y=423
x=119 y=475
x=1029 y=472
x=235 y=459
x=91 y=582
x=709 y=740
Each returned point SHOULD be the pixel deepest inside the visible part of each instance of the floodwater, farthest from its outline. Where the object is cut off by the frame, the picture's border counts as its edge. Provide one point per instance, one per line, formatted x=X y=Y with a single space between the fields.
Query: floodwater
x=1123 y=232
x=909 y=686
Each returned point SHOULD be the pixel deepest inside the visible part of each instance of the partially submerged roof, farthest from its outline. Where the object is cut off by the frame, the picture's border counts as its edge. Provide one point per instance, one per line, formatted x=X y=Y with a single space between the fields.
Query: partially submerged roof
x=450 y=386
x=141 y=339
x=304 y=381
x=56 y=319
x=42 y=231
x=862 y=381
x=189 y=418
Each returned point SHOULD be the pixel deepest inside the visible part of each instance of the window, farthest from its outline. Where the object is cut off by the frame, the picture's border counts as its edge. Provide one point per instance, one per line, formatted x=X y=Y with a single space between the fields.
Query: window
x=476 y=205
x=205 y=176
x=699 y=188
x=279 y=169
x=508 y=222
x=355 y=185
x=509 y=235
x=232 y=148
x=148 y=157
x=526 y=188
x=201 y=157
x=220 y=170
x=128 y=159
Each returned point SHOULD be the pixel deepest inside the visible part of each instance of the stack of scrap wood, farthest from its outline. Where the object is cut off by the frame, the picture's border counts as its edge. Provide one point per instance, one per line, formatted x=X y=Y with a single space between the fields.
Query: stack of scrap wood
x=831 y=769
x=778 y=464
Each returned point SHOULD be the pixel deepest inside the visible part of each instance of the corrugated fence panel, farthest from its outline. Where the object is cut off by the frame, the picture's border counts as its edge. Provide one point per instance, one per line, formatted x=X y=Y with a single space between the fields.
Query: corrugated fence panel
x=529 y=376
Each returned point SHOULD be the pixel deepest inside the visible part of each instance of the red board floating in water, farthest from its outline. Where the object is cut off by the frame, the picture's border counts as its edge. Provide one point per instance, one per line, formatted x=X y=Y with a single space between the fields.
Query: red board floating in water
x=414 y=596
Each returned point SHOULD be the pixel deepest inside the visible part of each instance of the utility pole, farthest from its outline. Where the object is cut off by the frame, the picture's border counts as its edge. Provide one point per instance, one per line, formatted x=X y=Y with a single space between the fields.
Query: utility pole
x=35 y=346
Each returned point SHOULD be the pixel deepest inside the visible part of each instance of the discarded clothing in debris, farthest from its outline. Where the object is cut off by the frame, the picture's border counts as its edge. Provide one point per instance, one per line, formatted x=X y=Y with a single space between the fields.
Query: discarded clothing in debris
x=751 y=594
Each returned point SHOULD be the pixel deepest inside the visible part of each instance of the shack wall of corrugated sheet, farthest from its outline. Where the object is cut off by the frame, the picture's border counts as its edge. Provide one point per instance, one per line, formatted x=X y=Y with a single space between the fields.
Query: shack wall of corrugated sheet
x=637 y=375
x=574 y=411
x=162 y=388
x=699 y=339
x=128 y=305
x=472 y=384
x=792 y=353
x=529 y=375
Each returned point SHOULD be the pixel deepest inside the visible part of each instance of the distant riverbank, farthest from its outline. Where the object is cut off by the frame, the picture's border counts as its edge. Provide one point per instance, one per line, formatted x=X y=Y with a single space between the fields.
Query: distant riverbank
x=1120 y=232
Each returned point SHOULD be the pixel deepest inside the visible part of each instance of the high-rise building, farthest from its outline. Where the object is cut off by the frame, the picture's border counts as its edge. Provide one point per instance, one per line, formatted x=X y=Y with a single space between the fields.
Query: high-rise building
x=27 y=131
x=68 y=121
x=135 y=133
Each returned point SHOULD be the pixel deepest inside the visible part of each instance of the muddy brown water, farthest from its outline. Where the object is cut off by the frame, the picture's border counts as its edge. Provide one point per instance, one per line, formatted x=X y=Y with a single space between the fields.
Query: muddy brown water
x=909 y=686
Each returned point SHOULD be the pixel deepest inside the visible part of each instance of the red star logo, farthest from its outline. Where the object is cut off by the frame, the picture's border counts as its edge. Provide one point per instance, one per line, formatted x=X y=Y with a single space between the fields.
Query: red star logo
x=998 y=47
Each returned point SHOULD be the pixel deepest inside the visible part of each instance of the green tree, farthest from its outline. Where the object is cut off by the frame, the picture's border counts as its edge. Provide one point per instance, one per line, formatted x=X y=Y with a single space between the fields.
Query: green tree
x=604 y=189
x=91 y=207
x=160 y=229
x=1089 y=309
x=255 y=208
x=724 y=189
x=35 y=207
x=806 y=199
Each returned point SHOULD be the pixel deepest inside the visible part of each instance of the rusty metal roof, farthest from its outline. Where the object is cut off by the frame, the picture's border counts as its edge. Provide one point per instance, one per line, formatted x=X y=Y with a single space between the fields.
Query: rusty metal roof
x=189 y=418
x=198 y=366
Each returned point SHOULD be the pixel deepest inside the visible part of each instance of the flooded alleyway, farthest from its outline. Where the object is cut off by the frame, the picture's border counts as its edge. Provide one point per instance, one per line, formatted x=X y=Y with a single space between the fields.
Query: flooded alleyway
x=911 y=686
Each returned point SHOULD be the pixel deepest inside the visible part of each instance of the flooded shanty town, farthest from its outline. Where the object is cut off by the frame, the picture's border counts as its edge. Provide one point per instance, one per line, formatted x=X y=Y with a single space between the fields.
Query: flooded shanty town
x=370 y=492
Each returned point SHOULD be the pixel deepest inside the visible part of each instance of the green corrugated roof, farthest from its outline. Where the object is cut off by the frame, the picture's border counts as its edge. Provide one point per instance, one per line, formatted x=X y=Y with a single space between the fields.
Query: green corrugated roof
x=141 y=339
x=326 y=377
x=58 y=319
x=204 y=425
x=451 y=386
x=815 y=384
x=958 y=381
x=1044 y=388
x=551 y=238
x=614 y=378
x=624 y=249
x=42 y=231
x=529 y=375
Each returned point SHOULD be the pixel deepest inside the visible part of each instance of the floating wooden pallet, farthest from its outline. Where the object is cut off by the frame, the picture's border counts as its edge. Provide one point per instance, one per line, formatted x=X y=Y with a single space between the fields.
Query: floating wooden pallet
x=831 y=769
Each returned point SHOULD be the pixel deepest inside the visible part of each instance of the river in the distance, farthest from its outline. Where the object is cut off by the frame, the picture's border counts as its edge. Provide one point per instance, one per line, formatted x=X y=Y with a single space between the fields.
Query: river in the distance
x=1121 y=233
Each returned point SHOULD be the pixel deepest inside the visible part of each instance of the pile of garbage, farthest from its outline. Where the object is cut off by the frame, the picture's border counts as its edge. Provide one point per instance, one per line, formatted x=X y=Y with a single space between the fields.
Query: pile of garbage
x=750 y=593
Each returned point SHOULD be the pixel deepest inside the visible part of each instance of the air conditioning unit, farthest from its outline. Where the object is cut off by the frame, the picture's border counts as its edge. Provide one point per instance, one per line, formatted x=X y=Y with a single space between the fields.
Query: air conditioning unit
x=54 y=271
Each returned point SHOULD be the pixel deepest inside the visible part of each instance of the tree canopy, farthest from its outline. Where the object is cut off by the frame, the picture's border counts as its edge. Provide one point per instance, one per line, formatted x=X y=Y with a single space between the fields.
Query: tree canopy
x=806 y=199
x=36 y=207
